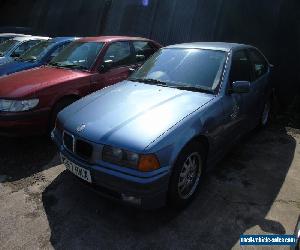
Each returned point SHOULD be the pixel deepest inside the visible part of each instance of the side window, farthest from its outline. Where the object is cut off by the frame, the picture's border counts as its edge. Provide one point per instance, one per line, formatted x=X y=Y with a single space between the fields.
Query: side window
x=260 y=65
x=24 y=46
x=33 y=42
x=2 y=39
x=119 y=53
x=143 y=50
x=240 y=67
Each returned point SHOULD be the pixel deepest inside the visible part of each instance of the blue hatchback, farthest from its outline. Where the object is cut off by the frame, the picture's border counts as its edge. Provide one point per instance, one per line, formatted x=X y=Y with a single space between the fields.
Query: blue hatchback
x=36 y=56
x=149 y=139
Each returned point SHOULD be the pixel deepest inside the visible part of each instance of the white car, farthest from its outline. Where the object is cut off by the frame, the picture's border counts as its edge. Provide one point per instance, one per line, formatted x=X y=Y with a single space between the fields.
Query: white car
x=6 y=36
x=15 y=47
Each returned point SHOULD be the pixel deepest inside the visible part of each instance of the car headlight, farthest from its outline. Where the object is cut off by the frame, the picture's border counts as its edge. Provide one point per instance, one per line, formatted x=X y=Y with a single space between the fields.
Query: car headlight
x=126 y=158
x=18 y=105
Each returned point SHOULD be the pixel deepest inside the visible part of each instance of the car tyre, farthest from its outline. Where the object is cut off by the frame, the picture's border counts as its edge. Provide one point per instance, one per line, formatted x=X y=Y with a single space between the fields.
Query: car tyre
x=266 y=113
x=187 y=175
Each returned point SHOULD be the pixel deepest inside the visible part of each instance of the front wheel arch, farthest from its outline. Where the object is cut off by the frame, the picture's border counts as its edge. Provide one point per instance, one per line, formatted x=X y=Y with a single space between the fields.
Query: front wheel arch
x=59 y=105
x=173 y=197
x=202 y=140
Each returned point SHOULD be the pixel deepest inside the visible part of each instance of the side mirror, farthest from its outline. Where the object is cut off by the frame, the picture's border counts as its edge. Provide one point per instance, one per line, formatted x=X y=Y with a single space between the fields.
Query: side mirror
x=140 y=58
x=106 y=65
x=240 y=87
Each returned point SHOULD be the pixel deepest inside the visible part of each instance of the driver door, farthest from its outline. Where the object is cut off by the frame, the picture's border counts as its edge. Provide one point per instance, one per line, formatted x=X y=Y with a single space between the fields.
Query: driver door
x=235 y=106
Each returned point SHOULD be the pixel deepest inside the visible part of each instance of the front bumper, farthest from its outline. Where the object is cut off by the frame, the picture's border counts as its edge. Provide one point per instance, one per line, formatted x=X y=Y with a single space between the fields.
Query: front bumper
x=146 y=193
x=24 y=123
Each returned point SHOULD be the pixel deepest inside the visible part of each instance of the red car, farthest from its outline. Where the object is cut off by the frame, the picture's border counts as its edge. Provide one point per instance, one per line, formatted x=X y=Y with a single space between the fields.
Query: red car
x=30 y=100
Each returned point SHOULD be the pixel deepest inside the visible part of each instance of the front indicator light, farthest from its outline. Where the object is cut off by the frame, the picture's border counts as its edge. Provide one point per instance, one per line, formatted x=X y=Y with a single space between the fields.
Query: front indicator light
x=148 y=163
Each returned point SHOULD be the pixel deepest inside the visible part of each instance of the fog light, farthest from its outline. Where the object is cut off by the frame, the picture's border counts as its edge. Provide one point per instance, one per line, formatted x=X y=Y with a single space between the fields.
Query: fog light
x=132 y=199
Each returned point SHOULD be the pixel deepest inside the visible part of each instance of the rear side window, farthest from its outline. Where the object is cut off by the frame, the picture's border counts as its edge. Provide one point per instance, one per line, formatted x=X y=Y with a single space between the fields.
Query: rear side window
x=259 y=64
x=240 y=67
x=120 y=54
x=143 y=50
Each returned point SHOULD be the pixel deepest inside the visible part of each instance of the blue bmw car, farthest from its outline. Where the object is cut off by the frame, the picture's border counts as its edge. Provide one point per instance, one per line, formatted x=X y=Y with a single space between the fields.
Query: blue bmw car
x=36 y=56
x=13 y=48
x=148 y=140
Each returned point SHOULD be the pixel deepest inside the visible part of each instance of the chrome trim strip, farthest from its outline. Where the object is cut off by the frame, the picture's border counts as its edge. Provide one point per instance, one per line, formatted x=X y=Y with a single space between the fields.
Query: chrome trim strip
x=73 y=141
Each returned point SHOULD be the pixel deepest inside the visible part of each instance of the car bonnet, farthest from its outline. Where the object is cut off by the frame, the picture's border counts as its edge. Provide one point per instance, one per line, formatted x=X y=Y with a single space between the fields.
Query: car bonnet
x=130 y=115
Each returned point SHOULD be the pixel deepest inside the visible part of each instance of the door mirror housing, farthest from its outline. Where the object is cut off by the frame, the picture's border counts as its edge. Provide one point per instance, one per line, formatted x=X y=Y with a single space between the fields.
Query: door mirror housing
x=106 y=65
x=240 y=87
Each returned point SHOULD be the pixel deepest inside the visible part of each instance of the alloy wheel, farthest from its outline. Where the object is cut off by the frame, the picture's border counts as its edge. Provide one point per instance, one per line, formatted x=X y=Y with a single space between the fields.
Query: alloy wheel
x=190 y=175
x=266 y=113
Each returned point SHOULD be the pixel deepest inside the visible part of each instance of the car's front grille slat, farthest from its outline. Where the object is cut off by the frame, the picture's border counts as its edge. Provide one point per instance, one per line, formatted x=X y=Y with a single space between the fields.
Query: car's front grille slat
x=68 y=141
x=83 y=149
x=79 y=147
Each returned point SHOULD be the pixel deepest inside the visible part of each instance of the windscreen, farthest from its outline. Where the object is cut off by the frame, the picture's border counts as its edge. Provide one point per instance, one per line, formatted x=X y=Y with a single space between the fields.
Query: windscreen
x=78 y=55
x=36 y=52
x=6 y=46
x=184 y=67
x=5 y=38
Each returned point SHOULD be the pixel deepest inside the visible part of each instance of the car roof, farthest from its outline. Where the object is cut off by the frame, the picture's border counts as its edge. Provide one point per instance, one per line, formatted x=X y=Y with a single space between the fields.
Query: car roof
x=28 y=38
x=11 y=34
x=209 y=45
x=111 y=39
x=63 y=39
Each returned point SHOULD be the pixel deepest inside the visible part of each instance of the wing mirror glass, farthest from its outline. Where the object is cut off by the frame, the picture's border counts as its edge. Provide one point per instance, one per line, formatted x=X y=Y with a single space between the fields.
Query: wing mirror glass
x=240 y=87
x=106 y=65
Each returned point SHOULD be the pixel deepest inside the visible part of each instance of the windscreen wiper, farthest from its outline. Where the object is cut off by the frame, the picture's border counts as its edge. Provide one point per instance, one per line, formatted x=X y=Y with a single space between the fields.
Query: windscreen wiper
x=55 y=64
x=70 y=66
x=75 y=66
x=149 y=81
x=193 y=88
x=25 y=60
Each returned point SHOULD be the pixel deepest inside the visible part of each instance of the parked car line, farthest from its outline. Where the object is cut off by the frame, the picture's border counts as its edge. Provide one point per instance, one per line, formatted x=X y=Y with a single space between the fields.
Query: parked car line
x=148 y=140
